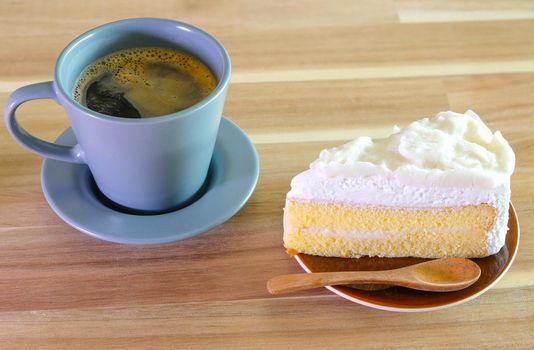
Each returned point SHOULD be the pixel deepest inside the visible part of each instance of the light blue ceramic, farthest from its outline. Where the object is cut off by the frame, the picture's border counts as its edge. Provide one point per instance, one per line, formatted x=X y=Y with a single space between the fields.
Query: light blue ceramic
x=232 y=177
x=151 y=164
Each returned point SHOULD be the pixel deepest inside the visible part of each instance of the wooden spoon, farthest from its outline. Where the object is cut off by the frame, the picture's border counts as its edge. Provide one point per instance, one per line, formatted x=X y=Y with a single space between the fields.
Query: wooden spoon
x=441 y=275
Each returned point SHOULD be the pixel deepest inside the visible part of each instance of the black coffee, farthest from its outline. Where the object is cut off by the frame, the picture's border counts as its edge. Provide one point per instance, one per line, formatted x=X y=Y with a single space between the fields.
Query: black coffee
x=144 y=82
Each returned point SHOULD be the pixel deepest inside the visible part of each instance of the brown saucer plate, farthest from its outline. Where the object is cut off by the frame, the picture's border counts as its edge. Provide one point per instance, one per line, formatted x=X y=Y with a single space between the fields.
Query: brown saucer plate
x=407 y=300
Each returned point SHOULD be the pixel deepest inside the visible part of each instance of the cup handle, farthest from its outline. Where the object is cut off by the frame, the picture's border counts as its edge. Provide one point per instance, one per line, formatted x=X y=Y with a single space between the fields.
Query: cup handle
x=73 y=154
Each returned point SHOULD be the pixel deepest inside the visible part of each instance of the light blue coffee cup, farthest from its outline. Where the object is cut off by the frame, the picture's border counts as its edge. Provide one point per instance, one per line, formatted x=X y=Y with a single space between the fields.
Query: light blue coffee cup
x=150 y=164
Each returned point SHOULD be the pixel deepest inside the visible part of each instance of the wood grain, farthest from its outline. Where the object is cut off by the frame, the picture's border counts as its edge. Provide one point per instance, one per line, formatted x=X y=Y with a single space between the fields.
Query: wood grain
x=305 y=77
x=415 y=11
x=276 y=323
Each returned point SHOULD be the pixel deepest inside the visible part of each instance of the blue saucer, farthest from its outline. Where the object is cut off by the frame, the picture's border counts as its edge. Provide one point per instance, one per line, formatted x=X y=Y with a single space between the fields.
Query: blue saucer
x=234 y=169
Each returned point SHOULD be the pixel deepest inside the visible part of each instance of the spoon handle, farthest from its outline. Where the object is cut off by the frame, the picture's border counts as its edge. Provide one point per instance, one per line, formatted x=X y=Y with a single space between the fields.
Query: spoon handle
x=301 y=281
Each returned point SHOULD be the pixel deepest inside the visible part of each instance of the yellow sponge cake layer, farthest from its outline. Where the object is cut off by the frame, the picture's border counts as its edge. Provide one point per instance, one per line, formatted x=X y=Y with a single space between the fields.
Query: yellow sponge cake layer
x=332 y=229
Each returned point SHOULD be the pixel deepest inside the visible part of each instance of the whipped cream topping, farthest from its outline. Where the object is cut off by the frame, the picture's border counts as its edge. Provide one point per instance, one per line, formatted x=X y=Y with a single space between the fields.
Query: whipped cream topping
x=449 y=150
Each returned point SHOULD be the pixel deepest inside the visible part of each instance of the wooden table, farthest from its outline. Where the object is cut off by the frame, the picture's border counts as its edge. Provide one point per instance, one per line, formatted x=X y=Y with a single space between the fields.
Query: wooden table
x=305 y=76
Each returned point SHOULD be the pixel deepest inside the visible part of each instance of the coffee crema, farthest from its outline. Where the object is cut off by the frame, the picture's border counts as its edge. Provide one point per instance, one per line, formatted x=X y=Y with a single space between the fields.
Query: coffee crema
x=144 y=82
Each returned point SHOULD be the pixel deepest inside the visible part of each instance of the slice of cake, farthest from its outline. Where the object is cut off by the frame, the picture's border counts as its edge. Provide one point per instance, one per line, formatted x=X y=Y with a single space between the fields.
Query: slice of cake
x=438 y=188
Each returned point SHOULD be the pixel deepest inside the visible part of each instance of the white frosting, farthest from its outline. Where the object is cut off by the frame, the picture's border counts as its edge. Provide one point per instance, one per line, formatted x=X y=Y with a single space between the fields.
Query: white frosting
x=382 y=191
x=449 y=150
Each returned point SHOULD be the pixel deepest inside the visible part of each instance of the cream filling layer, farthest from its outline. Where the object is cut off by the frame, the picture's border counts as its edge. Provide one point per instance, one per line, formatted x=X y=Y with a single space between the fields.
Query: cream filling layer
x=361 y=234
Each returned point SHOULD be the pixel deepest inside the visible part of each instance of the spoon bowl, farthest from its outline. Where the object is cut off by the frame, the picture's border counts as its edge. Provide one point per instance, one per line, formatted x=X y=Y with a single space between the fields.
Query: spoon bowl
x=447 y=272
x=440 y=275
